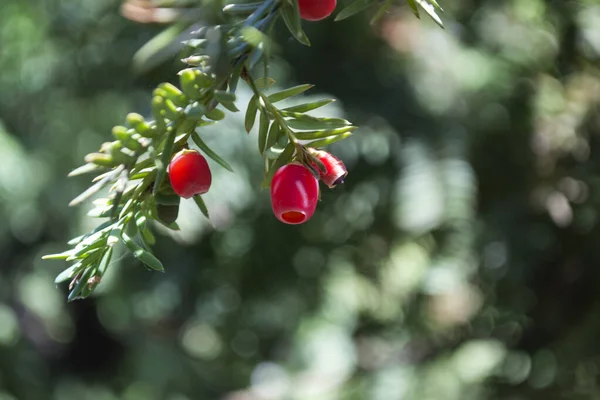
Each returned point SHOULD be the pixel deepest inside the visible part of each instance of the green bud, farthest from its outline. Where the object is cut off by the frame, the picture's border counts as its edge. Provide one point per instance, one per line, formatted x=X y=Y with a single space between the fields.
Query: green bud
x=132 y=144
x=174 y=94
x=145 y=130
x=137 y=122
x=171 y=110
x=101 y=159
x=134 y=119
x=159 y=92
x=126 y=136
x=188 y=84
x=157 y=111
x=202 y=79
x=109 y=147
x=121 y=133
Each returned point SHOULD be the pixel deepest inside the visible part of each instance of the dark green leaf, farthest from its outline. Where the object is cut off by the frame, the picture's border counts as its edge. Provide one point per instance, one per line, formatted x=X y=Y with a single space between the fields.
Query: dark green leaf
x=291 y=17
x=131 y=228
x=353 y=8
x=319 y=134
x=167 y=214
x=99 y=212
x=92 y=190
x=413 y=7
x=307 y=122
x=274 y=152
x=230 y=106
x=142 y=174
x=141 y=254
x=74 y=294
x=235 y=77
x=85 y=169
x=224 y=96
x=172 y=226
x=167 y=199
x=274 y=132
x=209 y=152
x=67 y=273
x=381 y=11
x=82 y=251
x=329 y=140
x=142 y=224
x=103 y=227
x=251 y=113
x=89 y=253
x=436 y=5
x=201 y=205
x=255 y=56
x=430 y=10
x=114 y=236
x=215 y=114
x=105 y=262
x=293 y=91
x=263 y=130
x=59 y=256
x=139 y=189
x=302 y=108
x=165 y=158
x=76 y=240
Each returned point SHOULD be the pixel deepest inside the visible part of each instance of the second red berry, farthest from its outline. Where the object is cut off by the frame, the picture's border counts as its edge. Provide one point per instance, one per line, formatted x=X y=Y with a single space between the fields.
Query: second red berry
x=315 y=10
x=335 y=169
x=294 y=194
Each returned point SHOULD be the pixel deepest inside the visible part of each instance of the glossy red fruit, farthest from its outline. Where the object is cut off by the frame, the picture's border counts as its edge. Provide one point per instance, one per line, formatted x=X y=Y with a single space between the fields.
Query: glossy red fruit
x=189 y=174
x=336 y=170
x=315 y=10
x=294 y=194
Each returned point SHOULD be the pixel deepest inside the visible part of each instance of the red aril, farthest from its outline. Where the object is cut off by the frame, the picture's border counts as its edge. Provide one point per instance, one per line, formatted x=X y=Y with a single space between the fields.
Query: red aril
x=189 y=174
x=315 y=10
x=294 y=194
x=335 y=168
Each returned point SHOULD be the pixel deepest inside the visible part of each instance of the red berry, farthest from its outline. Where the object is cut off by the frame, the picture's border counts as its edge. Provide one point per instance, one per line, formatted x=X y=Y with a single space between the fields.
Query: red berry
x=315 y=10
x=294 y=194
x=336 y=170
x=189 y=174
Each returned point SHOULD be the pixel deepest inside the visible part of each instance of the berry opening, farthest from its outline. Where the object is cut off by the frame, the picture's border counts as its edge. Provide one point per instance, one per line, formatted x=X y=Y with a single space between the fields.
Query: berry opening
x=293 y=217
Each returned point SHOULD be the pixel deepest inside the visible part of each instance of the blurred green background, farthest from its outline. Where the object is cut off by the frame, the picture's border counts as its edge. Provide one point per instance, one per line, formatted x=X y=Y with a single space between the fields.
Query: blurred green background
x=461 y=259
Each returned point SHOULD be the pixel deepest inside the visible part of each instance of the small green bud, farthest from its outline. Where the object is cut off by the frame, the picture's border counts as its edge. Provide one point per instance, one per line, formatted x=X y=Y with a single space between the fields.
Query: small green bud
x=171 y=110
x=134 y=119
x=101 y=159
x=188 y=84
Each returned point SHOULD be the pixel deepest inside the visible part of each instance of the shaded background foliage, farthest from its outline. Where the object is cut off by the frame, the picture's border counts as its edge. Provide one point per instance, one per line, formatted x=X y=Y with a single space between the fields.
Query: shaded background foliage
x=459 y=260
